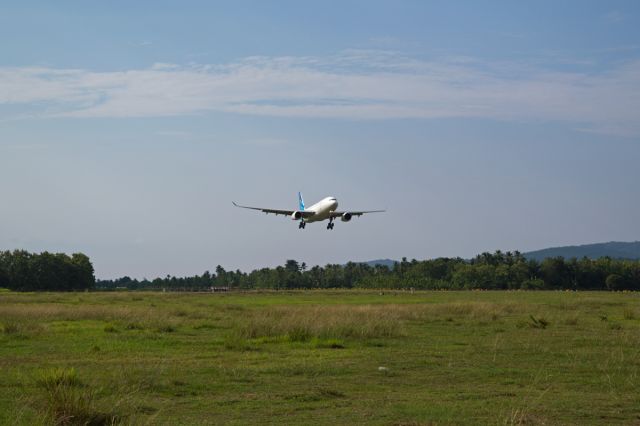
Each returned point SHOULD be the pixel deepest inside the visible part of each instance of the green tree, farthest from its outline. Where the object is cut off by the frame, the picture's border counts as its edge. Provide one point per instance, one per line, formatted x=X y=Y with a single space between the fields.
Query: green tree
x=83 y=272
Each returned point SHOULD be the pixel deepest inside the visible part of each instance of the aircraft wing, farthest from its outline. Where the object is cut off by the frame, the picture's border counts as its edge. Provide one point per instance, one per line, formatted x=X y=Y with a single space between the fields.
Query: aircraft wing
x=360 y=213
x=276 y=211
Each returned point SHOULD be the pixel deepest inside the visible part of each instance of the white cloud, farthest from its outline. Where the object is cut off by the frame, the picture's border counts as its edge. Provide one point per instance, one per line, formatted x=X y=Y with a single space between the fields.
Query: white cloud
x=353 y=85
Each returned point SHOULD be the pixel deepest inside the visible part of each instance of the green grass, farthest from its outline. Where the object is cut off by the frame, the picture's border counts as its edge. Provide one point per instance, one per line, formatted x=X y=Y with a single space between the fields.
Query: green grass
x=320 y=357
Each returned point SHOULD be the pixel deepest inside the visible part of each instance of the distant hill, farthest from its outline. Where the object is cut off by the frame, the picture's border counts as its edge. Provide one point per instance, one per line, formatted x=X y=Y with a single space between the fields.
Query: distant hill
x=613 y=249
x=385 y=262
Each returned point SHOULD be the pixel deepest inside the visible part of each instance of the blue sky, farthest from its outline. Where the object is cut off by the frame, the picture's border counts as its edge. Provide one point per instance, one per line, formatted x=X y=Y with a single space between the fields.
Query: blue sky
x=127 y=129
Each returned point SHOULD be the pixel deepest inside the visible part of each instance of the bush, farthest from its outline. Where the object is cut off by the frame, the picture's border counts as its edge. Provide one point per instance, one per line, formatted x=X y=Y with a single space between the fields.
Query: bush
x=166 y=328
x=328 y=344
x=533 y=284
x=110 y=328
x=615 y=282
x=538 y=322
x=68 y=402
x=10 y=328
x=55 y=377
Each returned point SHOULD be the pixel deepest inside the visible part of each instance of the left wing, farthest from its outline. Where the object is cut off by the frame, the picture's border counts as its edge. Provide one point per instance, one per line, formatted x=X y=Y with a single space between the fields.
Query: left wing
x=338 y=214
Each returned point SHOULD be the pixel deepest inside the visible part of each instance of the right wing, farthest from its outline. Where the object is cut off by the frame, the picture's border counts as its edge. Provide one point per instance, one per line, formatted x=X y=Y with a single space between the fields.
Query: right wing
x=276 y=211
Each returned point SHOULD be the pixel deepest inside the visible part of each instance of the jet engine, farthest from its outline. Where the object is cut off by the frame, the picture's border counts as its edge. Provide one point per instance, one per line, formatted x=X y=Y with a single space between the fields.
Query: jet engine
x=346 y=217
x=296 y=215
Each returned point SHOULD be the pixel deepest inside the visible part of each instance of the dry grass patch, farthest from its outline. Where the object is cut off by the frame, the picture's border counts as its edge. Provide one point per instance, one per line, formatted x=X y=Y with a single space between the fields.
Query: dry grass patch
x=116 y=318
x=304 y=323
x=297 y=323
x=473 y=310
x=21 y=328
x=59 y=312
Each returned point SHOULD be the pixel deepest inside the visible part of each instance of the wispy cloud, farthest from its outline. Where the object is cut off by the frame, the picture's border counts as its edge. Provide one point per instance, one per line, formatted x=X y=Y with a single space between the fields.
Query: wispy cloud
x=614 y=16
x=174 y=133
x=266 y=142
x=142 y=43
x=353 y=85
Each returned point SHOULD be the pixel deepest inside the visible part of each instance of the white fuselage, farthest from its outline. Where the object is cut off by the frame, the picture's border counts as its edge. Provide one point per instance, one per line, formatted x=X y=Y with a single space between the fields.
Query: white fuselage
x=322 y=209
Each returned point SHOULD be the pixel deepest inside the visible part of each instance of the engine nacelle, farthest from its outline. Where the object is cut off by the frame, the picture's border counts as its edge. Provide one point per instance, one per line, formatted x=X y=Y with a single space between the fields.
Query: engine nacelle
x=346 y=217
x=296 y=215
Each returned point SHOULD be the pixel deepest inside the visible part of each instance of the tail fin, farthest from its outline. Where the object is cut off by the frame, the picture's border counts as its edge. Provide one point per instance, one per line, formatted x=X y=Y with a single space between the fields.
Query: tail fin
x=300 y=201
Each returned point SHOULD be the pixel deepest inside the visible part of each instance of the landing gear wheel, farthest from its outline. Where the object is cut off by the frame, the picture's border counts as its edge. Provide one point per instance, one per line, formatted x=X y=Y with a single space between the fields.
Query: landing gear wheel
x=330 y=225
x=302 y=225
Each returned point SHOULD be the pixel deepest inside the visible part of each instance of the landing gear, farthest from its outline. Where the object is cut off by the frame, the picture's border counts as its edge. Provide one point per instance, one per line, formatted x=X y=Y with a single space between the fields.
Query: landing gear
x=330 y=225
x=302 y=224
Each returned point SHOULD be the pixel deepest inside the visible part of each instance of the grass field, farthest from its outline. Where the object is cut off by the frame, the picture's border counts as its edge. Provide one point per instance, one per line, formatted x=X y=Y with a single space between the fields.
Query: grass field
x=320 y=357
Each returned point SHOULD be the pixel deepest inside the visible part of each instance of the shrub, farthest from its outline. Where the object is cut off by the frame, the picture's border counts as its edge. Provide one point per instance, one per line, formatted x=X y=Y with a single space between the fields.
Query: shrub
x=571 y=321
x=538 y=322
x=10 y=328
x=236 y=343
x=328 y=344
x=110 y=328
x=21 y=329
x=615 y=282
x=134 y=326
x=54 y=377
x=166 y=328
x=299 y=334
x=68 y=402
x=533 y=284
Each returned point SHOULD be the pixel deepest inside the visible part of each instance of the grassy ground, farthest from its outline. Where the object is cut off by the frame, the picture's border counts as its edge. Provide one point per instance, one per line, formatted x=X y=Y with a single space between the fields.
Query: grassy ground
x=320 y=357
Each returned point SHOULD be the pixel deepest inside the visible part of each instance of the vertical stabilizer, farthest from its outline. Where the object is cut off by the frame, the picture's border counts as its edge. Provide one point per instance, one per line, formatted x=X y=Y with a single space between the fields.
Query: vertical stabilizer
x=300 y=202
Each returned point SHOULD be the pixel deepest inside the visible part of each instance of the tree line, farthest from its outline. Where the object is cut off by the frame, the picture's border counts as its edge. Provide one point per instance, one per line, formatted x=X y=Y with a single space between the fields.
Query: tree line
x=24 y=271
x=487 y=271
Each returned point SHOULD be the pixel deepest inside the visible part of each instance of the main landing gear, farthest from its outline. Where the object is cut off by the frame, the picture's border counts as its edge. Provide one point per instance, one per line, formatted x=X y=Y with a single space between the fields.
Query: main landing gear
x=330 y=225
x=302 y=224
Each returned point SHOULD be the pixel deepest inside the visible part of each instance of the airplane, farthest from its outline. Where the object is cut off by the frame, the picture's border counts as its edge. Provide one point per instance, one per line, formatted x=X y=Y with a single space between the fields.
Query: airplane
x=322 y=210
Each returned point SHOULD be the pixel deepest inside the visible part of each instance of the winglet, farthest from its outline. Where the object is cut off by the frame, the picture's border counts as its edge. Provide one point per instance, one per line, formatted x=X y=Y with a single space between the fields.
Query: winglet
x=300 y=202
